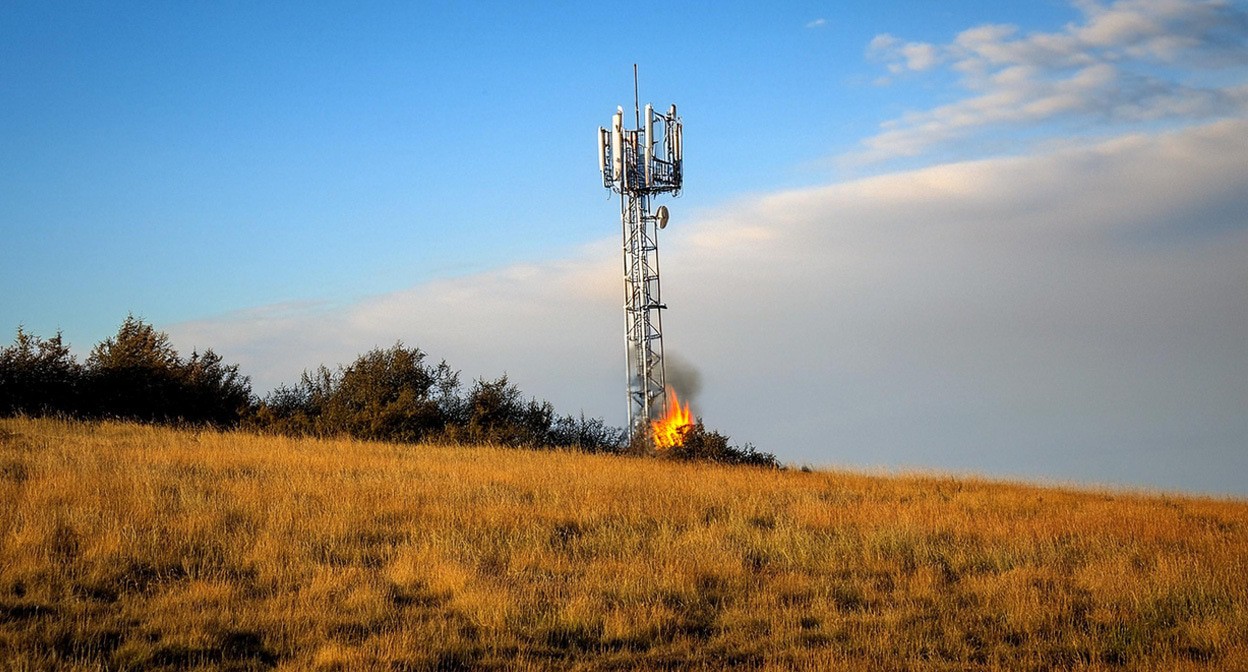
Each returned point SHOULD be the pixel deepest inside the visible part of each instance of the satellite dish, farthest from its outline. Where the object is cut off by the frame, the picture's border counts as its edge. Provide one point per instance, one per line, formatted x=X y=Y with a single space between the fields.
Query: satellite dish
x=662 y=215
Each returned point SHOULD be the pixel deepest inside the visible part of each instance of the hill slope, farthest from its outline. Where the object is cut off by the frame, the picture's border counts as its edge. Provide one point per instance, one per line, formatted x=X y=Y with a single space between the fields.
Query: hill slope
x=132 y=547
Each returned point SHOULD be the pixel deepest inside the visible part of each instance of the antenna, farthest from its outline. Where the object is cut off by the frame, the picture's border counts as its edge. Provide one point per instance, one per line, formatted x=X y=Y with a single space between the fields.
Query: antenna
x=636 y=99
x=639 y=164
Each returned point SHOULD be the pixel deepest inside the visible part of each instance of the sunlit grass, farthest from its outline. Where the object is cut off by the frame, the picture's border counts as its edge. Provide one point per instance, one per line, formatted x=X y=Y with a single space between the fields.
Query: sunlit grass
x=131 y=547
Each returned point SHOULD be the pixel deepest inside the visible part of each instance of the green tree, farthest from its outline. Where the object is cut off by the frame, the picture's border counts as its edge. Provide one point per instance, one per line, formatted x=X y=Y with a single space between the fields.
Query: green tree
x=138 y=375
x=592 y=435
x=389 y=395
x=496 y=412
x=38 y=376
x=212 y=392
x=699 y=443
x=394 y=395
x=385 y=395
x=134 y=374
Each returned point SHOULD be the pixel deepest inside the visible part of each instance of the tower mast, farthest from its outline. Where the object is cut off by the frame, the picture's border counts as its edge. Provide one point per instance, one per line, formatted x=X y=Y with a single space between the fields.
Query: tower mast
x=639 y=164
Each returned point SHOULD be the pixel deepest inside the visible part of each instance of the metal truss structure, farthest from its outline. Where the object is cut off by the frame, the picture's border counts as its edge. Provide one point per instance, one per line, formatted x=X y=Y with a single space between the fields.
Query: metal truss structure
x=639 y=164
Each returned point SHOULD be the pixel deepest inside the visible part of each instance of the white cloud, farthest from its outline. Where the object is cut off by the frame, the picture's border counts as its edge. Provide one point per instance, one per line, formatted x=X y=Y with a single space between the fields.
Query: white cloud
x=1130 y=61
x=1078 y=314
x=516 y=320
x=920 y=56
x=817 y=23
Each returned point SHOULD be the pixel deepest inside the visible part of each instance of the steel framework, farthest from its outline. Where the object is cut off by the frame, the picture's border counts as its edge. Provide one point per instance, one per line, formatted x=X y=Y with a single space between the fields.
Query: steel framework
x=639 y=164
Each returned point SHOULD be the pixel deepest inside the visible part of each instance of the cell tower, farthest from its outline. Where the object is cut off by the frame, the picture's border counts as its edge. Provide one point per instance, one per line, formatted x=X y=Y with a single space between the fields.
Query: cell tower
x=639 y=164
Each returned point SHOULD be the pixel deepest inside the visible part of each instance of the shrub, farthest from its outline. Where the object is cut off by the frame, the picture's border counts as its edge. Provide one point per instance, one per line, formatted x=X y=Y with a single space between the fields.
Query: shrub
x=212 y=392
x=134 y=374
x=393 y=395
x=699 y=443
x=38 y=377
x=592 y=435
x=388 y=395
x=496 y=412
x=138 y=375
x=285 y=410
x=384 y=395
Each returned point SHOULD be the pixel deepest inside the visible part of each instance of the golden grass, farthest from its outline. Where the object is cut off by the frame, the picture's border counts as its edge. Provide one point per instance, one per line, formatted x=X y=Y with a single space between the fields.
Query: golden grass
x=132 y=547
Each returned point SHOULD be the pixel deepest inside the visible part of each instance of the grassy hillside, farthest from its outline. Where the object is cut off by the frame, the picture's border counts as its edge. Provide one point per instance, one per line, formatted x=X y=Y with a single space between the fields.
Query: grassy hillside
x=131 y=547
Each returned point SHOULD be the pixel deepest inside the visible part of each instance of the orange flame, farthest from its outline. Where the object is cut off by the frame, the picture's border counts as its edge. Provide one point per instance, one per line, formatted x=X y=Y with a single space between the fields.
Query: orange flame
x=668 y=431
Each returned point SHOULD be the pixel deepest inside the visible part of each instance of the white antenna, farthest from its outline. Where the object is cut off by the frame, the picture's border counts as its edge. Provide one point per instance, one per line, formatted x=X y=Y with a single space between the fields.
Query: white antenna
x=636 y=100
x=639 y=164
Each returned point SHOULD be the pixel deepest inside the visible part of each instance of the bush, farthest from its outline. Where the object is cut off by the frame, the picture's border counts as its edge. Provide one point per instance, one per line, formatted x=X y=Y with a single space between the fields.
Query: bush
x=212 y=392
x=285 y=410
x=133 y=375
x=38 y=377
x=389 y=395
x=392 y=395
x=385 y=395
x=701 y=444
x=496 y=412
x=591 y=435
x=137 y=375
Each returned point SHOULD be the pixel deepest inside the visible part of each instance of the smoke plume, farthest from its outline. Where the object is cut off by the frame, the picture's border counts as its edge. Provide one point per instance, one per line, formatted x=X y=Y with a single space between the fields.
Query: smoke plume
x=683 y=377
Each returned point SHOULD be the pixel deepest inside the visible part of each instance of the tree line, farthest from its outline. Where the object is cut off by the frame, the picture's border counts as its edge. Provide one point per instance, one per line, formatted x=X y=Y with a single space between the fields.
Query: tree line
x=390 y=394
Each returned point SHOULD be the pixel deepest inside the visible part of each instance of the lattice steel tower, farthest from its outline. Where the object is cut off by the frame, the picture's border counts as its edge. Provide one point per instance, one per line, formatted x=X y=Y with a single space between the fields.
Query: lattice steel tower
x=639 y=164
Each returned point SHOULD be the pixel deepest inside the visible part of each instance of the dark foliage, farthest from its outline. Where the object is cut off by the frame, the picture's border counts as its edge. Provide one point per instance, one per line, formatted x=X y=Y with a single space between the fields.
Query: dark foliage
x=591 y=435
x=38 y=377
x=389 y=394
x=285 y=410
x=702 y=444
x=211 y=391
x=385 y=395
x=135 y=375
x=496 y=412
x=393 y=395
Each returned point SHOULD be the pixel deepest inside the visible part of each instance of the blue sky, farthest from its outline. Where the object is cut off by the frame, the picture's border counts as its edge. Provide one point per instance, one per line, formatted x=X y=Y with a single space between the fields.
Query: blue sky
x=1001 y=238
x=320 y=152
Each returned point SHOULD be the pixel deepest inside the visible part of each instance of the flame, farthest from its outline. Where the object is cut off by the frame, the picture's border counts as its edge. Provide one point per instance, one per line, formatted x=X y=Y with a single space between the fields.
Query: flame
x=668 y=431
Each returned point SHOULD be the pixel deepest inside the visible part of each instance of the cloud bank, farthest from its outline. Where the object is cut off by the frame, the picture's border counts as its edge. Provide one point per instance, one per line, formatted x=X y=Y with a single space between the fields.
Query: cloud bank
x=1077 y=315
x=1130 y=61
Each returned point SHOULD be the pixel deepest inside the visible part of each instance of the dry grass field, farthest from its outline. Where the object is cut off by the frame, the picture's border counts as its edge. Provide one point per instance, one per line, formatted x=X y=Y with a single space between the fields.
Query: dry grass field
x=132 y=547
